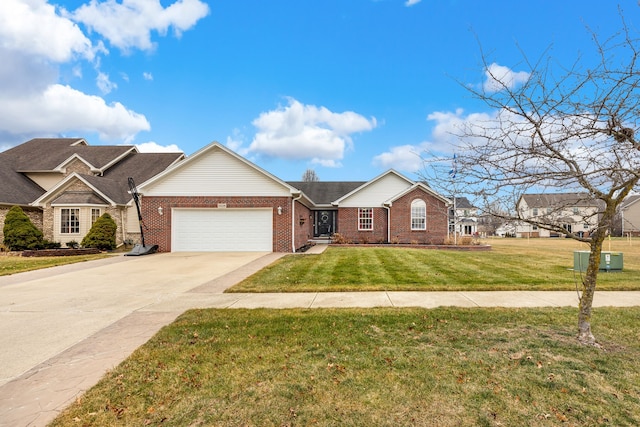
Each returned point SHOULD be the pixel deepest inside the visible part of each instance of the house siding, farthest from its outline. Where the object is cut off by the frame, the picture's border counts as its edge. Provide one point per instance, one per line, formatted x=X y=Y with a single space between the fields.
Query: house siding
x=158 y=231
x=216 y=173
x=377 y=192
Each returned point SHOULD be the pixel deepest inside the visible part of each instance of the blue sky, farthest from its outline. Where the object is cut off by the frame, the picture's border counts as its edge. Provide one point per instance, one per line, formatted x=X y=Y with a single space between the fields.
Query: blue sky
x=349 y=88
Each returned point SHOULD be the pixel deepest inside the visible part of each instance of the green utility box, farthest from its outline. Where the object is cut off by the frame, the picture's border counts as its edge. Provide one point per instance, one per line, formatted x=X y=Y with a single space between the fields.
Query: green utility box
x=609 y=261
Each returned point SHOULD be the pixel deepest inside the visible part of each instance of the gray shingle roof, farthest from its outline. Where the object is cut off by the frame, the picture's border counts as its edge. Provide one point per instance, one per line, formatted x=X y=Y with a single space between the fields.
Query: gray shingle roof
x=44 y=154
x=325 y=192
x=15 y=188
x=559 y=200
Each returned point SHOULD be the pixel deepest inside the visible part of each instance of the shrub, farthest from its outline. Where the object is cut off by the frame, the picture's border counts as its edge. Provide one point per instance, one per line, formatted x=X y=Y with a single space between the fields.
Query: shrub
x=72 y=244
x=19 y=231
x=102 y=234
x=339 y=239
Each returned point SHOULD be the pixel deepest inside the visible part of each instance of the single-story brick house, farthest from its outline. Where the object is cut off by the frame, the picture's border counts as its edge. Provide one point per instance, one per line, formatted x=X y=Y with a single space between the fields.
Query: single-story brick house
x=216 y=200
x=64 y=185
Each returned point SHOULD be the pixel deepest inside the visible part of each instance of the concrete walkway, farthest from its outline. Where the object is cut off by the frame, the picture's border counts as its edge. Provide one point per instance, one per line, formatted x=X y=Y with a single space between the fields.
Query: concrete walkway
x=55 y=345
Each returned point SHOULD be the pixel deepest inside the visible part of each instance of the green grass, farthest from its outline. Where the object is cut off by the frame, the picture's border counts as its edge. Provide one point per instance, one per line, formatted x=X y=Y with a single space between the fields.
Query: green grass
x=18 y=264
x=376 y=367
x=512 y=264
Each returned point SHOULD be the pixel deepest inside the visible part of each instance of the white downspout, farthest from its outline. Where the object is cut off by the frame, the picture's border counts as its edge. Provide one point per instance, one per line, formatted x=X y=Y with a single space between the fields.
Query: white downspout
x=293 y=222
x=388 y=208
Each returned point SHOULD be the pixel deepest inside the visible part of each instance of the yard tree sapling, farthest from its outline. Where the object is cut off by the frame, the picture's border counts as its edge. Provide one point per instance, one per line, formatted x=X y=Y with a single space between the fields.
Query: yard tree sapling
x=557 y=130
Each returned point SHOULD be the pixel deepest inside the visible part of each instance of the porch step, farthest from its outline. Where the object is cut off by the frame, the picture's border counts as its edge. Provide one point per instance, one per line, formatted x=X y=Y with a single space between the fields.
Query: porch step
x=321 y=240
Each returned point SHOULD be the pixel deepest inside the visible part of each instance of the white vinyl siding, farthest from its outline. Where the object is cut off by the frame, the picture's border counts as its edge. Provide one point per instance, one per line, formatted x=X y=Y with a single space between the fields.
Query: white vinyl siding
x=222 y=230
x=216 y=173
x=377 y=192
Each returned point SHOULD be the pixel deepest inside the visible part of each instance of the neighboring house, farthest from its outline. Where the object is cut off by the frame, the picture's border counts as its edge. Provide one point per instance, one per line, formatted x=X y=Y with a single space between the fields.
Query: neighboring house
x=216 y=200
x=628 y=222
x=464 y=219
x=574 y=212
x=64 y=185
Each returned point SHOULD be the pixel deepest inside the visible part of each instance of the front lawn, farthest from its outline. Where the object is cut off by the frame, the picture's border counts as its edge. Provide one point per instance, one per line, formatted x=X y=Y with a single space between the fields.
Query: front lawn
x=512 y=264
x=375 y=367
x=17 y=264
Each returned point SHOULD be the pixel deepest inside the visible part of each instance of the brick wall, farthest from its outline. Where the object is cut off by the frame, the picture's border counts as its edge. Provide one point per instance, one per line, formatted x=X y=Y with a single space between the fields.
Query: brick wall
x=303 y=232
x=347 y=226
x=437 y=220
x=159 y=226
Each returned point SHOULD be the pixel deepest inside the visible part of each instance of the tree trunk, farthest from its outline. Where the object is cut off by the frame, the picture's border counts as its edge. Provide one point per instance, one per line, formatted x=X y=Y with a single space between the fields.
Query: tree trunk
x=588 y=290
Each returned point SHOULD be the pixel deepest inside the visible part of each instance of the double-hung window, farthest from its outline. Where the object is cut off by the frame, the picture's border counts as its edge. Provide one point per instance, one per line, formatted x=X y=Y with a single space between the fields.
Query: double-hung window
x=69 y=221
x=95 y=214
x=365 y=218
x=418 y=215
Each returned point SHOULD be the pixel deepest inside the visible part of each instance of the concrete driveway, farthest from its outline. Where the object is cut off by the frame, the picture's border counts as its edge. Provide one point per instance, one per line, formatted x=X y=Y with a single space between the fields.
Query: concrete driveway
x=96 y=310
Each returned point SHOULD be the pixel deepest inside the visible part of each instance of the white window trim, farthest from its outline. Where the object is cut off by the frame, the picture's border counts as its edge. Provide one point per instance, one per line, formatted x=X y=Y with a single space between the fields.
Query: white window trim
x=421 y=204
x=361 y=218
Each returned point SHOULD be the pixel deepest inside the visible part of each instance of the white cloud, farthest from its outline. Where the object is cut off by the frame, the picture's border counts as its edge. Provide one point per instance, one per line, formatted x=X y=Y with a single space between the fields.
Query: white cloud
x=300 y=131
x=128 y=24
x=61 y=109
x=410 y=3
x=444 y=137
x=37 y=37
x=147 y=76
x=499 y=77
x=154 y=147
x=402 y=157
x=104 y=84
x=33 y=27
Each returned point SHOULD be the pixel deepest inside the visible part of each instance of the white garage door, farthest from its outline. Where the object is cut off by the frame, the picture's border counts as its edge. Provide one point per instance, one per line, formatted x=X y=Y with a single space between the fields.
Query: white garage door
x=222 y=230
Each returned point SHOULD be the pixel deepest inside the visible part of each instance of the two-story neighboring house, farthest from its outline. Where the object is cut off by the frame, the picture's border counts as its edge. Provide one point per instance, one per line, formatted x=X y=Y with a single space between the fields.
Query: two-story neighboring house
x=628 y=220
x=65 y=184
x=574 y=212
x=463 y=219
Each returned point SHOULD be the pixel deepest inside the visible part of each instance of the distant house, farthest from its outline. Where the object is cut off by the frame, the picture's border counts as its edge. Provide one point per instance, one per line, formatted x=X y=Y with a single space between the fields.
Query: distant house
x=64 y=185
x=574 y=212
x=216 y=200
x=464 y=219
x=629 y=216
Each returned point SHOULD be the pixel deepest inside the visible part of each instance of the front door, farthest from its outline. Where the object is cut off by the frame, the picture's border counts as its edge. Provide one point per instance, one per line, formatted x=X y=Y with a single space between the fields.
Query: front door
x=325 y=223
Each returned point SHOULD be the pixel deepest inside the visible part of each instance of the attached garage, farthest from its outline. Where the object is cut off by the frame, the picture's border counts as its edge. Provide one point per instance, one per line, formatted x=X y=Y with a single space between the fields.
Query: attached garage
x=221 y=230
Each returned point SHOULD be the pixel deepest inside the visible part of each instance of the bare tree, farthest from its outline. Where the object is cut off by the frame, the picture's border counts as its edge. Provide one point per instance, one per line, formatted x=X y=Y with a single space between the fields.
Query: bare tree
x=310 y=175
x=561 y=130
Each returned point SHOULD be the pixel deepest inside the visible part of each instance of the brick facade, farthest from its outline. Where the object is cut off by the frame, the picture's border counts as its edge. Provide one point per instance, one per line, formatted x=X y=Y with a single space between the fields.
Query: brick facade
x=347 y=226
x=158 y=231
x=437 y=220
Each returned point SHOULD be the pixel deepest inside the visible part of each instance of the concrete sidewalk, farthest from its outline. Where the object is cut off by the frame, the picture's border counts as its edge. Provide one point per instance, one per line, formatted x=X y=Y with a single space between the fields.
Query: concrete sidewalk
x=35 y=397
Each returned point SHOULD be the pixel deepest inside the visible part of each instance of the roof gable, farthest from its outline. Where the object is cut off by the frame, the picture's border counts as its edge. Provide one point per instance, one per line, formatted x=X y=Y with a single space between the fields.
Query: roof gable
x=68 y=182
x=215 y=170
x=424 y=188
x=377 y=191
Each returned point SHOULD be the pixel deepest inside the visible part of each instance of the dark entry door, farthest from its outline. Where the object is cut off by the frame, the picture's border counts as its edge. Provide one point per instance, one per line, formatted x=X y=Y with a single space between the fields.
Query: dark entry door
x=325 y=223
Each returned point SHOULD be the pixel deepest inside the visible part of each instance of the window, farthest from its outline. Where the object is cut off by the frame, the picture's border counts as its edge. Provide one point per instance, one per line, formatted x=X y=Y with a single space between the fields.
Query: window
x=70 y=221
x=365 y=219
x=549 y=210
x=95 y=214
x=586 y=226
x=535 y=211
x=418 y=215
x=576 y=211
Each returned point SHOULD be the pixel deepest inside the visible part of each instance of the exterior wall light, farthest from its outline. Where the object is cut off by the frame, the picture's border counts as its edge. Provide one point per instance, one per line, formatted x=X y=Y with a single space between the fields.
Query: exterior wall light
x=279 y=210
x=160 y=210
